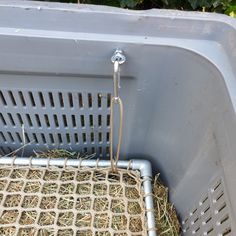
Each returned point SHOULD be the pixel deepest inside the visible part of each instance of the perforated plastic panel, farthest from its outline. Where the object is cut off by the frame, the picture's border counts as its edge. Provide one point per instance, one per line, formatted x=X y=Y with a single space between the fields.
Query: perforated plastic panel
x=53 y=119
x=212 y=214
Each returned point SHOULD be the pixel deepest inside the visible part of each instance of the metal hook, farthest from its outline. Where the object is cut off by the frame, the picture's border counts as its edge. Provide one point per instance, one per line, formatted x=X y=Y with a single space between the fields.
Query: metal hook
x=117 y=59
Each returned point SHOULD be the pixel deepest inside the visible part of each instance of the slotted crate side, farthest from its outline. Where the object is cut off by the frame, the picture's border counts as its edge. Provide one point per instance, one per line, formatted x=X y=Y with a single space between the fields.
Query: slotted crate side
x=212 y=214
x=168 y=111
x=55 y=118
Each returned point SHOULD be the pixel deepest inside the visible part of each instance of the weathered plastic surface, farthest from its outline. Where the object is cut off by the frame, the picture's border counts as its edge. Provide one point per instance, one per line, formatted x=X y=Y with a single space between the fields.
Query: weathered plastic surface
x=178 y=86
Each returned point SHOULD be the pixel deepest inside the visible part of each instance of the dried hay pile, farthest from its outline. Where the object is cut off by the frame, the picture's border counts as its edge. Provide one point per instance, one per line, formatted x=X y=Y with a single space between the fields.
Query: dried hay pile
x=44 y=202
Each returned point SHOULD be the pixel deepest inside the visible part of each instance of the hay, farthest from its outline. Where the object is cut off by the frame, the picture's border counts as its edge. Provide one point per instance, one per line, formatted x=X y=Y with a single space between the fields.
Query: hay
x=167 y=222
x=67 y=175
x=66 y=203
x=66 y=188
x=8 y=217
x=48 y=202
x=30 y=201
x=9 y=231
x=49 y=188
x=83 y=204
x=46 y=232
x=135 y=224
x=15 y=186
x=57 y=153
x=27 y=232
x=32 y=187
x=2 y=184
x=62 y=196
x=65 y=219
x=84 y=233
x=51 y=175
x=28 y=217
x=4 y=173
x=47 y=218
x=34 y=174
x=65 y=232
x=18 y=173
x=12 y=200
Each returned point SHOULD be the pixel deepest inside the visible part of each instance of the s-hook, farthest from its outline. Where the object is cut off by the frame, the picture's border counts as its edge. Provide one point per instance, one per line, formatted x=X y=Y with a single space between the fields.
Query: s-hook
x=117 y=59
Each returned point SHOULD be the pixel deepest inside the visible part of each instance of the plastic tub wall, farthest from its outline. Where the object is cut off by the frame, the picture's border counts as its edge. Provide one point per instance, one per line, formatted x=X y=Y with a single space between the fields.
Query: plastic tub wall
x=178 y=88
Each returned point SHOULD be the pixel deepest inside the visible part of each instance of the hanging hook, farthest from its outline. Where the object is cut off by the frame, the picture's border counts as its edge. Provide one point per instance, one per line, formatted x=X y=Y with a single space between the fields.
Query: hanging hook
x=117 y=59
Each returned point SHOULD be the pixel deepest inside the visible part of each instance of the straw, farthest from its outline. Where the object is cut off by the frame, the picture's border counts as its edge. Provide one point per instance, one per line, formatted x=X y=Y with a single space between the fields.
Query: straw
x=9 y=231
x=83 y=190
x=166 y=217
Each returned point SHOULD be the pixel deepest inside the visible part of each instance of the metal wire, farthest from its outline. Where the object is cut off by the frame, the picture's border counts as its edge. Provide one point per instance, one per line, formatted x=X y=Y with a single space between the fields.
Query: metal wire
x=115 y=159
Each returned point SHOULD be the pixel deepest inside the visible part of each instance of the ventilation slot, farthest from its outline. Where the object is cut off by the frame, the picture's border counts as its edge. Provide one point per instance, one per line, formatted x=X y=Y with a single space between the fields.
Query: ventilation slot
x=46 y=120
x=107 y=151
x=84 y=138
x=51 y=138
x=38 y=120
x=222 y=207
x=108 y=120
x=99 y=100
x=22 y=99
x=212 y=208
x=35 y=138
x=80 y=97
x=19 y=138
x=27 y=138
x=73 y=120
x=31 y=98
x=100 y=151
x=108 y=100
x=100 y=137
x=208 y=220
x=210 y=231
x=11 y=119
x=70 y=98
x=76 y=138
x=59 y=138
x=51 y=100
x=92 y=137
x=10 y=136
x=11 y=96
x=68 y=138
x=20 y=119
x=90 y=100
x=99 y=120
x=225 y=218
x=43 y=138
x=3 y=137
x=2 y=119
x=41 y=99
x=2 y=98
x=91 y=120
x=29 y=120
x=82 y=121
x=92 y=150
x=64 y=121
x=226 y=232
x=61 y=100
x=56 y=121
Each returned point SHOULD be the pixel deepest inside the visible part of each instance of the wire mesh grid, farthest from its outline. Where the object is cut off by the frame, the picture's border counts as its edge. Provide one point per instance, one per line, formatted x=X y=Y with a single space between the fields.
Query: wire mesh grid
x=82 y=202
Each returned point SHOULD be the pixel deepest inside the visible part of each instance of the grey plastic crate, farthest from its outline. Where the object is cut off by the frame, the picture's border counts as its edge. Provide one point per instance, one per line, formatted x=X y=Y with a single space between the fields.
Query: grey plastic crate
x=178 y=86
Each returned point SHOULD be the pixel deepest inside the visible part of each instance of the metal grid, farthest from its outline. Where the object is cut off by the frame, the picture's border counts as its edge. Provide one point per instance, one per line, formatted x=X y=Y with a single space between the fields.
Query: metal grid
x=212 y=215
x=71 y=201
